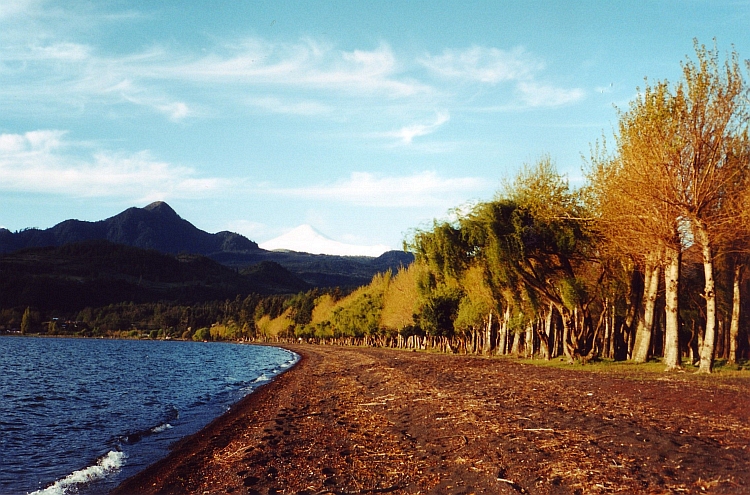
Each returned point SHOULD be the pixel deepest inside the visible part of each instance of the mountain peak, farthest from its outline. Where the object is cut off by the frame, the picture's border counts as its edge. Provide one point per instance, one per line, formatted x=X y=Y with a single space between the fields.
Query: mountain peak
x=305 y=239
x=161 y=208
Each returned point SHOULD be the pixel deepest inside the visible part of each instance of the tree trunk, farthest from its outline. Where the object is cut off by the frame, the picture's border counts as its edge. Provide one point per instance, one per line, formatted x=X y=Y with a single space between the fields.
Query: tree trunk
x=645 y=326
x=734 y=328
x=548 y=337
x=565 y=315
x=516 y=349
x=709 y=293
x=671 y=309
x=529 y=344
x=502 y=347
x=487 y=349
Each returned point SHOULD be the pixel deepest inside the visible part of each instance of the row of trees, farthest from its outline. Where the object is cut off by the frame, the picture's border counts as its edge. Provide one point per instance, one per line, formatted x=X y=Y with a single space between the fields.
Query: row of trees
x=608 y=269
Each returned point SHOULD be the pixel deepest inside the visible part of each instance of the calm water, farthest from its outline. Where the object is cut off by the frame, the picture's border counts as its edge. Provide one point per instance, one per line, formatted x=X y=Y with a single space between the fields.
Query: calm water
x=81 y=415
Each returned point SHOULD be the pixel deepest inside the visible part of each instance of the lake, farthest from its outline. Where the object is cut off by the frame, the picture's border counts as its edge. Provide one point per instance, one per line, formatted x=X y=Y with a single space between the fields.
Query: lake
x=81 y=415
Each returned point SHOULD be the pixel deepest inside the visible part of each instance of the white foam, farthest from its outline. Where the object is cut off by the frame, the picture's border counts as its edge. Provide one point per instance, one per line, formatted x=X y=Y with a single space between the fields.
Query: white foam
x=106 y=465
x=161 y=428
x=261 y=378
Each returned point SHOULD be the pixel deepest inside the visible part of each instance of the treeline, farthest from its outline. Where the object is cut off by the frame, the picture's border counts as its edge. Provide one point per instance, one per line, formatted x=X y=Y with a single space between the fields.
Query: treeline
x=235 y=319
x=645 y=260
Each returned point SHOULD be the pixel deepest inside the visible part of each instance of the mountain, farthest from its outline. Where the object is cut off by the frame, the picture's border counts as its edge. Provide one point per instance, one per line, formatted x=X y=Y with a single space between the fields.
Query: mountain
x=305 y=239
x=157 y=226
x=98 y=273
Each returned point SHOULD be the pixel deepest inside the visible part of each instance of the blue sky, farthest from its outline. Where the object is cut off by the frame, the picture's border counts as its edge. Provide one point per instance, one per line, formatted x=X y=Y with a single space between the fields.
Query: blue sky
x=362 y=119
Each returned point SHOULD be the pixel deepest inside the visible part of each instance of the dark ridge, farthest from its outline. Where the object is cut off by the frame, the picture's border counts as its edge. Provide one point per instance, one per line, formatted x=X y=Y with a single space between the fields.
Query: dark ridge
x=98 y=273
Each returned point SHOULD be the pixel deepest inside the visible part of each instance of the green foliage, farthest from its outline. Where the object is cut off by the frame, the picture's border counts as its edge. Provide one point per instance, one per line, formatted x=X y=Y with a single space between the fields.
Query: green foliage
x=359 y=313
x=359 y=316
x=439 y=311
x=202 y=334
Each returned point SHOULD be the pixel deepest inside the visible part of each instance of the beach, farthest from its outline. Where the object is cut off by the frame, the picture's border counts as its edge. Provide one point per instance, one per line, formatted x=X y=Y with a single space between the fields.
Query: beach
x=366 y=420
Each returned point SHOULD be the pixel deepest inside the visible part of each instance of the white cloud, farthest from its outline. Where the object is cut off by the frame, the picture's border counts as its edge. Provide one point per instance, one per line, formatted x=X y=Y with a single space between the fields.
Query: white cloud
x=539 y=95
x=68 y=73
x=494 y=66
x=425 y=189
x=175 y=111
x=33 y=141
x=12 y=8
x=486 y=65
x=407 y=134
x=39 y=162
x=66 y=52
x=303 y=64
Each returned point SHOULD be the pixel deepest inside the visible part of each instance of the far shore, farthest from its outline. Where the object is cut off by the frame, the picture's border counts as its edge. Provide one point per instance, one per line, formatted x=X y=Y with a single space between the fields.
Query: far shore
x=366 y=420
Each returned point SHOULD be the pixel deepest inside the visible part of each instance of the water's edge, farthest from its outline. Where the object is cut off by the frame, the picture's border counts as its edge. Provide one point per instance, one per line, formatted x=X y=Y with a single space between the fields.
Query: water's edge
x=137 y=449
x=235 y=408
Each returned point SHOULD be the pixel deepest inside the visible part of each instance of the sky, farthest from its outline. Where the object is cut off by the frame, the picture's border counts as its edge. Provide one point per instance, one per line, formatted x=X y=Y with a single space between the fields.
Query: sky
x=365 y=120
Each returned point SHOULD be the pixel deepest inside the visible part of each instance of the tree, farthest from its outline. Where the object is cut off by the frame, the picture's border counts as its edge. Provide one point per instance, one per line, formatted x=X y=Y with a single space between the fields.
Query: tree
x=712 y=117
x=675 y=178
x=26 y=321
x=631 y=194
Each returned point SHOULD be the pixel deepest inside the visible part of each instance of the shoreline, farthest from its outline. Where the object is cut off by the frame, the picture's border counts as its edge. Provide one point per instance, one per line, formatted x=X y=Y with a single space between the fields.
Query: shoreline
x=365 y=420
x=200 y=442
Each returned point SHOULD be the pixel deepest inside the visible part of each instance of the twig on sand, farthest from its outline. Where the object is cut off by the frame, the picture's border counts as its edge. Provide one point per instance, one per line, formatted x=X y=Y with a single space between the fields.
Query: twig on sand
x=513 y=485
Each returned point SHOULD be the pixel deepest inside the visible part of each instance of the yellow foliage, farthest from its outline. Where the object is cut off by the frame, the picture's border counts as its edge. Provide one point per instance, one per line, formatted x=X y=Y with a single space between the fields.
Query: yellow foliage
x=401 y=298
x=274 y=327
x=230 y=331
x=324 y=306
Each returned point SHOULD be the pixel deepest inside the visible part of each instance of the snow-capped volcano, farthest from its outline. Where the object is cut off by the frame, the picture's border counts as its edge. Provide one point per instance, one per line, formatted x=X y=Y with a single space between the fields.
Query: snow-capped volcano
x=305 y=239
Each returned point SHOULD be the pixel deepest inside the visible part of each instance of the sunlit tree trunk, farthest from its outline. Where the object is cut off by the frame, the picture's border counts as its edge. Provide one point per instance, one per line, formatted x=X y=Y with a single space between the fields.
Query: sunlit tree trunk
x=566 y=322
x=671 y=310
x=529 y=344
x=734 y=328
x=709 y=294
x=644 y=329
x=516 y=349
x=502 y=347
x=488 y=336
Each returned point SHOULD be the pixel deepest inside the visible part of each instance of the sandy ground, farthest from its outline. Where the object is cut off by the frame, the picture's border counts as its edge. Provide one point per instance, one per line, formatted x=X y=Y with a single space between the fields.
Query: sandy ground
x=361 y=421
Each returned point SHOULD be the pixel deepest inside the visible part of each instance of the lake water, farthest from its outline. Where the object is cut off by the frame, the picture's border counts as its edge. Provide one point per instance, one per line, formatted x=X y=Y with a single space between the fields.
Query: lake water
x=81 y=415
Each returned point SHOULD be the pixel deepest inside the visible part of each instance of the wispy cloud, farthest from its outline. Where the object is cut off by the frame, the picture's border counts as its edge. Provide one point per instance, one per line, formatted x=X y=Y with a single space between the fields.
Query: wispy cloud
x=45 y=162
x=493 y=66
x=425 y=189
x=541 y=95
x=12 y=8
x=407 y=133
x=486 y=65
x=153 y=78
x=303 y=64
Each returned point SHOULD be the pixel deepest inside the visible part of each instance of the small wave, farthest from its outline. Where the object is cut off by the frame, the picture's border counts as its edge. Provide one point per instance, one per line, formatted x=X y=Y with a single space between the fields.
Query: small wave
x=161 y=428
x=137 y=436
x=108 y=464
x=261 y=378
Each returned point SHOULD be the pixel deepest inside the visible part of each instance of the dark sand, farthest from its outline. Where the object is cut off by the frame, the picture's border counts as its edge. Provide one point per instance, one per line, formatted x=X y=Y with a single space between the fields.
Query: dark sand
x=360 y=421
